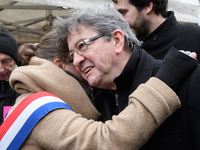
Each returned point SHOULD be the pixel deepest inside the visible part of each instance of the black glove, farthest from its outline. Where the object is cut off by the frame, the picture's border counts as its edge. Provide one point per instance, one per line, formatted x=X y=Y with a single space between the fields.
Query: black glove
x=175 y=67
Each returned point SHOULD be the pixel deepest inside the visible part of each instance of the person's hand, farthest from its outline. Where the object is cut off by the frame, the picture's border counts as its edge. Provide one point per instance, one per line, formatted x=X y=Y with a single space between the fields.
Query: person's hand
x=191 y=54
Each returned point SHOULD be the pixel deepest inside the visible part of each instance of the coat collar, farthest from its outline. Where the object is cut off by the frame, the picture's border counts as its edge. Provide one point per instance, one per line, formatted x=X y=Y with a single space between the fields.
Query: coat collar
x=138 y=69
x=165 y=26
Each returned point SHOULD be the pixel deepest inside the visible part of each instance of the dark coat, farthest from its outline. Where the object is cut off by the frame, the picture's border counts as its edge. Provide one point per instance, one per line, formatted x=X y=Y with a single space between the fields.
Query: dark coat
x=171 y=33
x=181 y=131
x=7 y=97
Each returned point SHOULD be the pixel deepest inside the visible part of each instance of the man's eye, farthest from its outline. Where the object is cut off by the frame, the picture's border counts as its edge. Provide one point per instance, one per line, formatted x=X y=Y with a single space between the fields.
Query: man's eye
x=123 y=12
x=6 y=61
x=81 y=46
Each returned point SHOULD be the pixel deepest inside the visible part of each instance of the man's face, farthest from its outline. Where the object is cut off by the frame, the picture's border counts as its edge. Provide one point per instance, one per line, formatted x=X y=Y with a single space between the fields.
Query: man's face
x=95 y=63
x=136 y=19
x=7 y=65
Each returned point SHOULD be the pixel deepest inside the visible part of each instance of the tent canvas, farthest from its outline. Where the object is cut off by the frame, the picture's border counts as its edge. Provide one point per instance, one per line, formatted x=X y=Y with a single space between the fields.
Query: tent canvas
x=70 y=3
x=28 y=20
x=185 y=10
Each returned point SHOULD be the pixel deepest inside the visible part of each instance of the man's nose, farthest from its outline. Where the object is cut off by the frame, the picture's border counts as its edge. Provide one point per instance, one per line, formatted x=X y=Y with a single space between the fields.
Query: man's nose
x=78 y=59
x=1 y=67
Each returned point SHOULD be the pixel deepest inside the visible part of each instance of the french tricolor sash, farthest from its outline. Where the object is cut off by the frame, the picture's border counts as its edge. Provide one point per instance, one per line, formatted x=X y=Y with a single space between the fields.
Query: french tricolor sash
x=15 y=129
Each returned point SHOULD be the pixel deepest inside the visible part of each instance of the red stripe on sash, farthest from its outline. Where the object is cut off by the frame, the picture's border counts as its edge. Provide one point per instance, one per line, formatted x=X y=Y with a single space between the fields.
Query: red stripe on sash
x=13 y=116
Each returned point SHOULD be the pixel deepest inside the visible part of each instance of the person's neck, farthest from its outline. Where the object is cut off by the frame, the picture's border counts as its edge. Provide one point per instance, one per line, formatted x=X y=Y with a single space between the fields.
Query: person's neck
x=155 y=22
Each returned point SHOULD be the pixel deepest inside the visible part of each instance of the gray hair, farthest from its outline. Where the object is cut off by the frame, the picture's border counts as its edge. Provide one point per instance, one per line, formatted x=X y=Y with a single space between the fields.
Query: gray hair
x=103 y=19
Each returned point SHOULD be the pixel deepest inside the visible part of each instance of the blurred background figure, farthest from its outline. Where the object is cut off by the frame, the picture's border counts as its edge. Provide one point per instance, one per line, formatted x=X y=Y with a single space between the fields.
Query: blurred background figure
x=8 y=61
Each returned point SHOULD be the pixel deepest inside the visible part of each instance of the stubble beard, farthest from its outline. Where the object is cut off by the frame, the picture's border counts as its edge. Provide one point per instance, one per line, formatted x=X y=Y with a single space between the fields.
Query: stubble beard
x=141 y=26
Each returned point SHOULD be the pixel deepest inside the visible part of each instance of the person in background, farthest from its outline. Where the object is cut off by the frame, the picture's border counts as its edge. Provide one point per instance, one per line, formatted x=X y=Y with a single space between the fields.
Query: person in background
x=61 y=128
x=105 y=51
x=8 y=61
x=157 y=28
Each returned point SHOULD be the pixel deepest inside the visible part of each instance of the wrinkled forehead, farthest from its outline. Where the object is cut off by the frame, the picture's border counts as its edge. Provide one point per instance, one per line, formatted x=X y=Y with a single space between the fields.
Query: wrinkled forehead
x=80 y=33
x=4 y=56
x=81 y=29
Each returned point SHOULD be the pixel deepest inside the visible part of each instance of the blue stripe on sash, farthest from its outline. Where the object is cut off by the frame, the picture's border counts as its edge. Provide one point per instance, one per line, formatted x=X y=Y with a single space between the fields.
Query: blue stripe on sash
x=33 y=120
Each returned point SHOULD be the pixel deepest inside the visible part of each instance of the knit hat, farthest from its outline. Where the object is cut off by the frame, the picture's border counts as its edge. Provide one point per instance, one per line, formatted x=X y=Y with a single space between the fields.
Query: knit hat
x=8 y=45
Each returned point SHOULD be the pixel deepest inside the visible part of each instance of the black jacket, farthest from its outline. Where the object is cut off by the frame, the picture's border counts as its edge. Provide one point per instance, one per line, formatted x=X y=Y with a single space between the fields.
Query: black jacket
x=172 y=34
x=7 y=97
x=181 y=130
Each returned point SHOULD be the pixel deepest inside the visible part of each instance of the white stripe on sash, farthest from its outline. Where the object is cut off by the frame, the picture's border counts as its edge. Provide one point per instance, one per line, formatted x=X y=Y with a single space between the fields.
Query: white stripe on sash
x=17 y=125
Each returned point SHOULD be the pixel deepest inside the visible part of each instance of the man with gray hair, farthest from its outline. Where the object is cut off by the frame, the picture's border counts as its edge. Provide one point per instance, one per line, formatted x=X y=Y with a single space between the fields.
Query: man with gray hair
x=105 y=51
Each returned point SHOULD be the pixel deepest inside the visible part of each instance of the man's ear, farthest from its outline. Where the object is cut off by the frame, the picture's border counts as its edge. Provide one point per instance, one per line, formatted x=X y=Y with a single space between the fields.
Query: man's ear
x=149 y=8
x=118 y=37
x=59 y=63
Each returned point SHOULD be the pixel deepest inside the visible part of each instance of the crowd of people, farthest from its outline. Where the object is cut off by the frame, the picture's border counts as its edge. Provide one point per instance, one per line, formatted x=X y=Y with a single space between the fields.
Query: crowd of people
x=117 y=78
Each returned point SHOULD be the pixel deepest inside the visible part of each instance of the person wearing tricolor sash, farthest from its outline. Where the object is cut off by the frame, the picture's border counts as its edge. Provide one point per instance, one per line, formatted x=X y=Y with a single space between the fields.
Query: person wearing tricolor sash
x=54 y=112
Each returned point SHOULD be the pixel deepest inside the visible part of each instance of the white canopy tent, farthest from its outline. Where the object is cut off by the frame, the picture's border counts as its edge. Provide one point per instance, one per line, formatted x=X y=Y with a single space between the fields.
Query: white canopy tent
x=28 y=20
x=70 y=3
x=185 y=10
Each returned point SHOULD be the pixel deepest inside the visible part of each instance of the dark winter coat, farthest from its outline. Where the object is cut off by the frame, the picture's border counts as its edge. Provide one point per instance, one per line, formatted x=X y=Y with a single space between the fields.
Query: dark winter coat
x=181 y=130
x=7 y=97
x=169 y=34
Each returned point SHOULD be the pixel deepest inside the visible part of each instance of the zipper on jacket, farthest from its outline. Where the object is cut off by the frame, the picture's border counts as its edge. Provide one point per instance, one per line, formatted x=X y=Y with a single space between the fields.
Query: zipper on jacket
x=116 y=99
